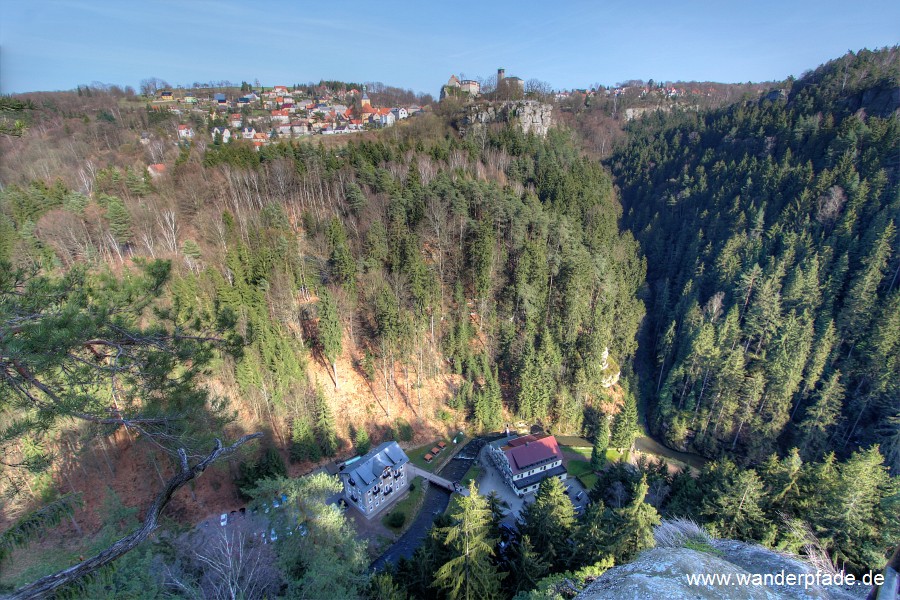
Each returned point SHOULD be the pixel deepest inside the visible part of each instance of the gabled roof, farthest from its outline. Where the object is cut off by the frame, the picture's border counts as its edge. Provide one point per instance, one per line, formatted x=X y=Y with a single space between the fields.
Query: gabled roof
x=370 y=467
x=530 y=450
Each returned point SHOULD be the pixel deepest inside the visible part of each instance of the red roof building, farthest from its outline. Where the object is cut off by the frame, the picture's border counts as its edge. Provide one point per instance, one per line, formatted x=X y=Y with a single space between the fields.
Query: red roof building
x=528 y=460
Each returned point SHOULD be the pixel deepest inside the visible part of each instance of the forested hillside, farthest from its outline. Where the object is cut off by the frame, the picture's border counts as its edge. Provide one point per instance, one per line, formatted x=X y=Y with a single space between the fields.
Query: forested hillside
x=770 y=231
x=409 y=281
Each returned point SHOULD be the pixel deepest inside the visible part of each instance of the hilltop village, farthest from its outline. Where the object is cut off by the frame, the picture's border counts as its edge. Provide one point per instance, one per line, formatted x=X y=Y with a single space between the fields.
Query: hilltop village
x=268 y=114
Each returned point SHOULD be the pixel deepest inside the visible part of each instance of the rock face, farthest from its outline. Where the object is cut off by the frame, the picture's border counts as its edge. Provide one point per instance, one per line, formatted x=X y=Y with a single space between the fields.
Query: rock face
x=531 y=116
x=662 y=573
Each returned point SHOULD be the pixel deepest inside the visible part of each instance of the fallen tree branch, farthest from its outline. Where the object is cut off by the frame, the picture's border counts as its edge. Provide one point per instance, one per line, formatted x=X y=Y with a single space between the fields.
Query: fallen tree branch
x=47 y=585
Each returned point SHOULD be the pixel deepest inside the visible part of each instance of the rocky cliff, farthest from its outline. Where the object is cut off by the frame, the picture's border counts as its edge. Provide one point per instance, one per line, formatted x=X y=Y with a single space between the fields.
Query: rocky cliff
x=663 y=572
x=530 y=115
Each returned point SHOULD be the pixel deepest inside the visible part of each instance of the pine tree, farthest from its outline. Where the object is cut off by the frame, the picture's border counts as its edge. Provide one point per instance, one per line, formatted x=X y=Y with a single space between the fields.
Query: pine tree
x=303 y=442
x=735 y=505
x=821 y=416
x=325 y=430
x=330 y=330
x=601 y=443
x=592 y=536
x=526 y=567
x=363 y=444
x=859 y=512
x=341 y=261
x=625 y=425
x=634 y=523
x=469 y=573
x=549 y=521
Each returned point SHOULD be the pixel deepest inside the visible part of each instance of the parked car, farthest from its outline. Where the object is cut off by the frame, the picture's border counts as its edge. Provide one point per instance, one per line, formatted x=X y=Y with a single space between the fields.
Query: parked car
x=275 y=503
x=273 y=536
x=223 y=520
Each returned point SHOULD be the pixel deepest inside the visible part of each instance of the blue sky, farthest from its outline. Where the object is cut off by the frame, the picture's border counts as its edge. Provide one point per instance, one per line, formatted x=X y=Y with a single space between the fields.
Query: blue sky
x=58 y=44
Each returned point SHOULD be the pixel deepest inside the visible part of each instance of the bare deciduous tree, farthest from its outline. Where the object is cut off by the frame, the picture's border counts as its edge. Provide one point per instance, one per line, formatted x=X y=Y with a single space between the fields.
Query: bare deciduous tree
x=226 y=566
x=168 y=223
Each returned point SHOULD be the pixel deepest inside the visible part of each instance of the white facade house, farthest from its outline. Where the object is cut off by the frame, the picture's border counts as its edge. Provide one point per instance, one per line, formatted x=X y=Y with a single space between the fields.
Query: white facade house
x=248 y=132
x=224 y=132
x=387 y=119
x=376 y=480
x=526 y=461
x=400 y=113
x=185 y=132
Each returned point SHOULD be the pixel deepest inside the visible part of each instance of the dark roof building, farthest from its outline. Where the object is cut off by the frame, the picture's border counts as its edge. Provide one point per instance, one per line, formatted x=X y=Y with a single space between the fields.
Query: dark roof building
x=375 y=480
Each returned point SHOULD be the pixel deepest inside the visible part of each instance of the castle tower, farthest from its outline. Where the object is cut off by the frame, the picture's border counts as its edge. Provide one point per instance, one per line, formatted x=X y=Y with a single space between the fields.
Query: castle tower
x=501 y=75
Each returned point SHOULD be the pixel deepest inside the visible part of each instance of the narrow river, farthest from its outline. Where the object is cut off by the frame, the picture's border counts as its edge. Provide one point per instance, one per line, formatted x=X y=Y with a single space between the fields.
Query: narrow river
x=648 y=445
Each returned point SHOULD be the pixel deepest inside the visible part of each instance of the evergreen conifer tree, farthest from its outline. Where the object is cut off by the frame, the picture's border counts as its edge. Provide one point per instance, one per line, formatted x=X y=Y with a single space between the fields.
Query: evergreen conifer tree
x=469 y=573
x=303 y=441
x=330 y=330
x=625 y=425
x=325 y=430
x=601 y=443
x=634 y=523
x=526 y=566
x=363 y=444
x=548 y=521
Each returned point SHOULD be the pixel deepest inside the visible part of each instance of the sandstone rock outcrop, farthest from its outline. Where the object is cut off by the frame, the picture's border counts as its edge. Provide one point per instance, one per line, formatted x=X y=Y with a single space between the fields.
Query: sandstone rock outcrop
x=663 y=573
x=531 y=116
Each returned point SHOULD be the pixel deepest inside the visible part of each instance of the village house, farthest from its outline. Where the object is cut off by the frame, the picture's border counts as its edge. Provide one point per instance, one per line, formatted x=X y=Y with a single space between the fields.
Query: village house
x=375 y=480
x=223 y=132
x=248 y=132
x=281 y=116
x=236 y=119
x=260 y=139
x=185 y=132
x=524 y=462
x=386 y=117
x=156 y=170
x=400 y=113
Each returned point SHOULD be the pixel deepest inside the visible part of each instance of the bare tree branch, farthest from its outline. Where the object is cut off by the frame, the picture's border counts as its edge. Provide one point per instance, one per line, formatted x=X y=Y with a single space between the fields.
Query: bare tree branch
x=47 y=585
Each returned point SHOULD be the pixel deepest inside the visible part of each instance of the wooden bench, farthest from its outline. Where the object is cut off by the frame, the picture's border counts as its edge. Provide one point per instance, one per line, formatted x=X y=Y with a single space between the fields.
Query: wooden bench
x=428 y=457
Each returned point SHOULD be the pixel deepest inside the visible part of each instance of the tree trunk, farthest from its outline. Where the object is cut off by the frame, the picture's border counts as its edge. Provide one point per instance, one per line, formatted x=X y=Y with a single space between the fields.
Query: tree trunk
x=334 y=370
x=45 y=586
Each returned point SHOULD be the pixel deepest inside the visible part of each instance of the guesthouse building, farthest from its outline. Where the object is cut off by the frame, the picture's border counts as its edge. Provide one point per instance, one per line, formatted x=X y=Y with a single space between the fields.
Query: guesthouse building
x=524 y=462
x=375 y=480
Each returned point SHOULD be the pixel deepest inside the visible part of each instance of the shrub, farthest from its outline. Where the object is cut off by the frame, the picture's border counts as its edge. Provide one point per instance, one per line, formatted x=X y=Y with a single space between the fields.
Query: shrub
x=395 y=520
x=404 y=430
